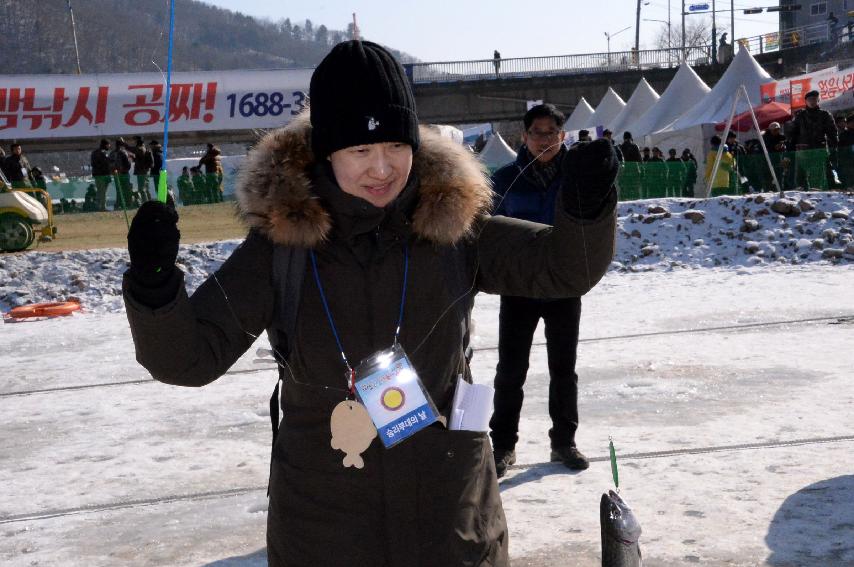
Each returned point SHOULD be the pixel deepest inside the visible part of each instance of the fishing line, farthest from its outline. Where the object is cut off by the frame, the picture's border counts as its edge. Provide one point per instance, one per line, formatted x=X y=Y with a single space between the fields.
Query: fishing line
x=284 y=365
x=477 y=256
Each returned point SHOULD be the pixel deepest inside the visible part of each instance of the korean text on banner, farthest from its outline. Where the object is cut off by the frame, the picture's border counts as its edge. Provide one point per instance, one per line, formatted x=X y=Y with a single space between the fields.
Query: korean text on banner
x=56 y=106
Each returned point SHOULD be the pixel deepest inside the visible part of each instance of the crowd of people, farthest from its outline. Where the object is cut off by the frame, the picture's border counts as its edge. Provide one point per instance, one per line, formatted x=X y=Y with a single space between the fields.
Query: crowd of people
x=124 y=164
x=133 y=170
x=647 y=173
x=813 y=151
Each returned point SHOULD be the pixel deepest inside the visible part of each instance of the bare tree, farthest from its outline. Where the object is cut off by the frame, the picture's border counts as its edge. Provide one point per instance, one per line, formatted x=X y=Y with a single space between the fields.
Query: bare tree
x=698 y=32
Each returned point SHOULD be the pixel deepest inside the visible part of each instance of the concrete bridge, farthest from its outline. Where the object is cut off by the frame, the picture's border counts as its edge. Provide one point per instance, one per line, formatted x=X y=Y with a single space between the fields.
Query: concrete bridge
x=494 y=98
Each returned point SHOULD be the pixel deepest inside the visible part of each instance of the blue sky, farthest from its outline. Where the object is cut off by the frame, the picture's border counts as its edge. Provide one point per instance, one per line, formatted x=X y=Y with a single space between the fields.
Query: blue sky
x=442 y=30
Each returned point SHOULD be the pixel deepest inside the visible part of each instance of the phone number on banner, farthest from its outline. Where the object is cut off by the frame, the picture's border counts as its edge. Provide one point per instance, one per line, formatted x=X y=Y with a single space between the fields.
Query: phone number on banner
x=261 y=104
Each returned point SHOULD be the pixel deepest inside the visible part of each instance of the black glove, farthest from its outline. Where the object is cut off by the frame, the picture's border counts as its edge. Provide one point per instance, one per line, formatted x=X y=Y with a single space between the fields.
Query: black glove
x=588 y=172
x=153 y=244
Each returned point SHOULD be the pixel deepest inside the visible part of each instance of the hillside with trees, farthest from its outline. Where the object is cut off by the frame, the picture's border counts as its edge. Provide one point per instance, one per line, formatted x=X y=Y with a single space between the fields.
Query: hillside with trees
x=131 y=36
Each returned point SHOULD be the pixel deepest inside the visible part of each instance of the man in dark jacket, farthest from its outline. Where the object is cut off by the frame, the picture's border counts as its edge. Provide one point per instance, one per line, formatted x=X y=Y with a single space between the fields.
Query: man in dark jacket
x=814 y=137
x=156 y=162
x=739 y=152
x=631 y=174
x=102 y=170
x=538 y=175
x=775 y=143
x=212 y=163
x=17 y=168
x=142 y=162
x=846 y=153
x=121 y=164
x=608 y=135
x=631 y=151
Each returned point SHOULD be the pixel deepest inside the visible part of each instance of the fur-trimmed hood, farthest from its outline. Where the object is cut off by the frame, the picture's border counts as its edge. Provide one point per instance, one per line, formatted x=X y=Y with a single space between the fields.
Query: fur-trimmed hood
x=275 y=195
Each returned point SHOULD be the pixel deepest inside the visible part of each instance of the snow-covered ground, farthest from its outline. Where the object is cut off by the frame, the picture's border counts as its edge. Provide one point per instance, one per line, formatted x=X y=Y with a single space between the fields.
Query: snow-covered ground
x=736 y=444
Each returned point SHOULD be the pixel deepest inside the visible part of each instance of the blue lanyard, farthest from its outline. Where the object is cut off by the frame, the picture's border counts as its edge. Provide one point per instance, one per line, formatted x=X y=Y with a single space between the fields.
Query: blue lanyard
x=351 y=373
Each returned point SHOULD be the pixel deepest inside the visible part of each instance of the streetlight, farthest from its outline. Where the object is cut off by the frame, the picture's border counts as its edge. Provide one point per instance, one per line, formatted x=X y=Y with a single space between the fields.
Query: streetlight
x=669 y=43
x=608 y=36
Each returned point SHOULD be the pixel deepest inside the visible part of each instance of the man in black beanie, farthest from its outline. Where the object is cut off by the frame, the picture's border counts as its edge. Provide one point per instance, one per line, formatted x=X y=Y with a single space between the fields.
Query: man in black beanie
x=814 y=136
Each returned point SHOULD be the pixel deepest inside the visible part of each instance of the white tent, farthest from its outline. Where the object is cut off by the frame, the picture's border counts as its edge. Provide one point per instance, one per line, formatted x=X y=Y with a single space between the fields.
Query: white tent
x=579 y=117
x=608 y=109
x=683 y=92
x=641 y=100
x=696 y=126
x=496 y=153
x=716 y=105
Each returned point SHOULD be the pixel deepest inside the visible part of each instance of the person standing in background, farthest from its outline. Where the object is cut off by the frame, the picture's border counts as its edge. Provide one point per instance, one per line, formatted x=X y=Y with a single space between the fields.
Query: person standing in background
x=102 y=170
x=527 y=189
x=142 y=162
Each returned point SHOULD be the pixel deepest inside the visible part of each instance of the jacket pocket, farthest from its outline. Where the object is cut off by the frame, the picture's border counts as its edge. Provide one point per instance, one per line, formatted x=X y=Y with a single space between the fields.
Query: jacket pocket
x=458 y=499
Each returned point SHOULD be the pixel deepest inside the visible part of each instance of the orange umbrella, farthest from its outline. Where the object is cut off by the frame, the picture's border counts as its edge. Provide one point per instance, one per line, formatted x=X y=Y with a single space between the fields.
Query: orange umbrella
x=765 y=115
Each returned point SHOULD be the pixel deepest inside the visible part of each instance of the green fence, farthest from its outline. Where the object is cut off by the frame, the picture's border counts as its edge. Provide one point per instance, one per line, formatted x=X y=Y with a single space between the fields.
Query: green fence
x=804 y=169
x=117 y=192
x=647 y=180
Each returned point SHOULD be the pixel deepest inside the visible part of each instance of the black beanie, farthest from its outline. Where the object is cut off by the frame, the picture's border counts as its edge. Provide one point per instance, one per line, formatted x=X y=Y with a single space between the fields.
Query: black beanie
x=359 y=94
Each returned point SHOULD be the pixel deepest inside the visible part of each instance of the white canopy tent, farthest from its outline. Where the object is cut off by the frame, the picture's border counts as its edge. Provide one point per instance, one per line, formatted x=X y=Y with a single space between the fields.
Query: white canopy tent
x=715 y=106
x=695 y=127
x=496 y=153
x=580 y=116
x=639 y=103
x=683 y=92
x=608 y=109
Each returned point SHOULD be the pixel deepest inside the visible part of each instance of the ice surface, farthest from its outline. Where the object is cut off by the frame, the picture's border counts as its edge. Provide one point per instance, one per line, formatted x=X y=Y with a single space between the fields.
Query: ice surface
x=141 y=473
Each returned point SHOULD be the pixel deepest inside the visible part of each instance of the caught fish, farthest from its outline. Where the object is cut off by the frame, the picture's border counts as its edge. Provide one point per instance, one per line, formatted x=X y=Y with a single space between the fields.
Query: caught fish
x=620 y=533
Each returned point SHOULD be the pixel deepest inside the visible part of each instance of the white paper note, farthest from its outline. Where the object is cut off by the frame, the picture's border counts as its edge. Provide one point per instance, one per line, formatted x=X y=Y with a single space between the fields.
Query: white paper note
x=472 y=406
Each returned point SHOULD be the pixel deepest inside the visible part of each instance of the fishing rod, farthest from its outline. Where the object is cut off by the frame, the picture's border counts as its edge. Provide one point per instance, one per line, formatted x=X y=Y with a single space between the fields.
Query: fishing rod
x=161 y=181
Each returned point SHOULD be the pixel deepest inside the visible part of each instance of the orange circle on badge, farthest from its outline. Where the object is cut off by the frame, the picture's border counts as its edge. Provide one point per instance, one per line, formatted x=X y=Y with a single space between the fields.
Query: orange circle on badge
x=392 y=398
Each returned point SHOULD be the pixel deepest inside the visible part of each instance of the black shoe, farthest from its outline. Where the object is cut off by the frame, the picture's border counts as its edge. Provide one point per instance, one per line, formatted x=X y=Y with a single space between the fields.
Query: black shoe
x=503 y=459
x=571 y=457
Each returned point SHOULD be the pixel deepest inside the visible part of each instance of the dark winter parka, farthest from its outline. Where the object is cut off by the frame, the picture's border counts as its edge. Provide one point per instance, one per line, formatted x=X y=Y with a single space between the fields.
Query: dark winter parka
x=433 y=500
x=18 y=169
x=814 y=128
x=142 y=160
x=212 y=160
x=101 y=164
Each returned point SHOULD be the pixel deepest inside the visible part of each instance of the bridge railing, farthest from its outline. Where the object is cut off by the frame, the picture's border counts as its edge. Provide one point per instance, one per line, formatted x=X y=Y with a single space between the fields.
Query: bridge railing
x=797 y=37
x=486 y=69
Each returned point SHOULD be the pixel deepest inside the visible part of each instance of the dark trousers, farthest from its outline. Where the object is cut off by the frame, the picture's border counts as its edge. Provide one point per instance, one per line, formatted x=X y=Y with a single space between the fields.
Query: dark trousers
x=517 y=322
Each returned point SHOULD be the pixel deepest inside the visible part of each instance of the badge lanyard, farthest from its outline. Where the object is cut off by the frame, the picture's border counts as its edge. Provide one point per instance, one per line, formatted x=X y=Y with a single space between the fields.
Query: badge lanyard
x=351 y=373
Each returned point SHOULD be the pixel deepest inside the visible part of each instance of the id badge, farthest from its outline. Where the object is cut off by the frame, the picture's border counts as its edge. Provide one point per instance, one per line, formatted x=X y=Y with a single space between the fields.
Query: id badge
x=389 y=388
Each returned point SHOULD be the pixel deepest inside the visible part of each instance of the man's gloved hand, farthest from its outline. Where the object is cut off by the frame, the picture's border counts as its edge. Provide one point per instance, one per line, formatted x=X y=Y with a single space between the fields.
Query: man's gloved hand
x=588 y=172
x=153 y=244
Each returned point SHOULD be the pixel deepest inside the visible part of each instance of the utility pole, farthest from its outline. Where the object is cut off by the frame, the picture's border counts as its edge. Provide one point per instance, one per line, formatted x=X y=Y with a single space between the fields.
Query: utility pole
x=74 y=33
x=714 y=37
x=637 y=32
x=684 y=55
x=669 y=42
x=732 y=26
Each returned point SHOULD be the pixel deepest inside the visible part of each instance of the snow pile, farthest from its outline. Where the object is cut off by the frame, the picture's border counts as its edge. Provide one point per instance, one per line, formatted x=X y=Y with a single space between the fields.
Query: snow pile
x=93 y=277
x=656 y=234
x=735 y=231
